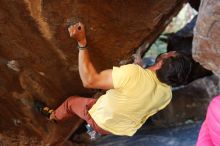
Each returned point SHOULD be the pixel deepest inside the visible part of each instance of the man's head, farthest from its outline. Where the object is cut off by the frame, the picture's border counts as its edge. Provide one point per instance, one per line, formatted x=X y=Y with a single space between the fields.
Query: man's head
x=173 y=68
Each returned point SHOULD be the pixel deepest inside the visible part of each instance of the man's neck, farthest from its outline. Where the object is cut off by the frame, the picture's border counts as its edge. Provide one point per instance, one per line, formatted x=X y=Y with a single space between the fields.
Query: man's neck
x=152 y=68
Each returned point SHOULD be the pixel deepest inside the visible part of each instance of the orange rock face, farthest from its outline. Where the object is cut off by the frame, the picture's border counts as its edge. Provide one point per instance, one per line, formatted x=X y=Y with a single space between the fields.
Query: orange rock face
x=38 y=60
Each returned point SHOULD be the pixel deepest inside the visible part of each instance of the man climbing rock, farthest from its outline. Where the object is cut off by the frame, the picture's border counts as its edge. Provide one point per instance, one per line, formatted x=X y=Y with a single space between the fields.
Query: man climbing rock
x=133 y=93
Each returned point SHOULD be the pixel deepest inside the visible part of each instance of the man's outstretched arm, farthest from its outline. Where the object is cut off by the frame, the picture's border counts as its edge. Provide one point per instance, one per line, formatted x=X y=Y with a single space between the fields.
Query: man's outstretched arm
x=88 y=74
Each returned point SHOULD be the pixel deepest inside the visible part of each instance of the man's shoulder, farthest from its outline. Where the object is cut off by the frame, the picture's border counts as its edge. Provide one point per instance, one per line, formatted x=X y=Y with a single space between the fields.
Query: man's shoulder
x=131 y=66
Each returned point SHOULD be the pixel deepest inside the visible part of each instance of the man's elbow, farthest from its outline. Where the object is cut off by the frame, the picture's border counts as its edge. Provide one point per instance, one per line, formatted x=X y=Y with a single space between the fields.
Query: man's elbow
x=90 y=81
x=88 y=84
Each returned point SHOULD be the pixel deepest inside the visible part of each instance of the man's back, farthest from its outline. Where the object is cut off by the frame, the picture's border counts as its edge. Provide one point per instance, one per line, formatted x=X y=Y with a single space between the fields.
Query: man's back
x=137 y=95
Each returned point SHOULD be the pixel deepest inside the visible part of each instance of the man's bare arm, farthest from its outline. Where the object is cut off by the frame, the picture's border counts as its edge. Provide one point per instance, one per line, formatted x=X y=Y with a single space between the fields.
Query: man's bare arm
x=88 y=74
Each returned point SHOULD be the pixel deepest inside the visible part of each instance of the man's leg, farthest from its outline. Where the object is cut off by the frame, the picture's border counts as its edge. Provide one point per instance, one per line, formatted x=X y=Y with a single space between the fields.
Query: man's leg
x=77 y=106
x=73 y=105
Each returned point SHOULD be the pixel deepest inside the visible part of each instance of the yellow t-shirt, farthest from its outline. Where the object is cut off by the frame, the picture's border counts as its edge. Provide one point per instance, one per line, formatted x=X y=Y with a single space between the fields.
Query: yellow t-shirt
x=136 y=96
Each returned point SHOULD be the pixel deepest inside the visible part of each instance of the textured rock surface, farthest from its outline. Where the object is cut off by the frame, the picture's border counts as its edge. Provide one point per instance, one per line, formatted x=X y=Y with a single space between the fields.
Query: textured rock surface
x=39 y=60
x=206 y=42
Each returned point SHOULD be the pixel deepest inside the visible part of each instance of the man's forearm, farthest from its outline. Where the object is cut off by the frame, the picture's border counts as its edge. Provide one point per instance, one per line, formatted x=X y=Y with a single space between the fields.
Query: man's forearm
x=88 y=74
x=86 y=69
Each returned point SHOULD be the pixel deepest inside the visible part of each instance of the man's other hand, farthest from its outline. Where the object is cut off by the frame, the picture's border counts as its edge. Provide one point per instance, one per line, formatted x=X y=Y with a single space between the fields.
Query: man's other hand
x=77 y=31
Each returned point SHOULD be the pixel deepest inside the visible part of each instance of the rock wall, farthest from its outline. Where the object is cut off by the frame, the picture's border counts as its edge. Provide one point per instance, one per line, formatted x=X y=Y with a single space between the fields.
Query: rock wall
x=206 y=42
x=38 y=60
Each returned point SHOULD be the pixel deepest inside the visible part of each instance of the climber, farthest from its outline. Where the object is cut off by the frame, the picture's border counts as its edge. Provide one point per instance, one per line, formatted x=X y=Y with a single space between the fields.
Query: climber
x=209 y=134
x=133 y=93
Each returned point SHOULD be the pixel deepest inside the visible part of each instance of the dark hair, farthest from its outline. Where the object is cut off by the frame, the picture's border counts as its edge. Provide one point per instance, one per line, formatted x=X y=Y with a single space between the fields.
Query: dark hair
x=175 y=70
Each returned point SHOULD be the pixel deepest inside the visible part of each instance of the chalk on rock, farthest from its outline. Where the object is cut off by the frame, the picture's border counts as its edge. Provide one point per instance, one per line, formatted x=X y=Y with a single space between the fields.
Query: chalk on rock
x=13 y=65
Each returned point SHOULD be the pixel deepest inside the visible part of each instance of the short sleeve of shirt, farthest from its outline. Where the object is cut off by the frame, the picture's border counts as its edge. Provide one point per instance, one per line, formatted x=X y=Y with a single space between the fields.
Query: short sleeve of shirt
x=122 y=75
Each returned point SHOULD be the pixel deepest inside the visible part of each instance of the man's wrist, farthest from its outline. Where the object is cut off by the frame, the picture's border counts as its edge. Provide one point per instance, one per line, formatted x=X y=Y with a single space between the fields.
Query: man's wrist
x=82 y=43
x=82 y=47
